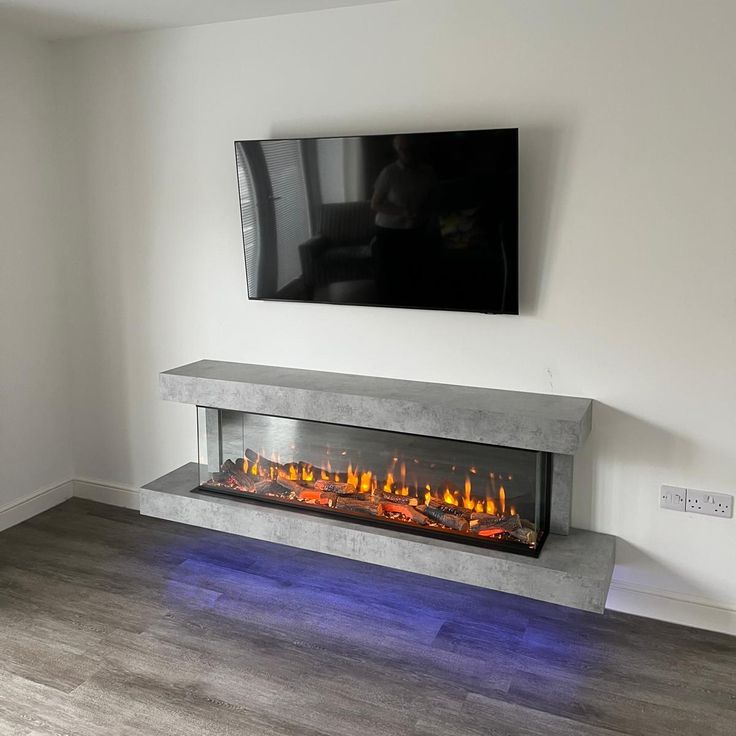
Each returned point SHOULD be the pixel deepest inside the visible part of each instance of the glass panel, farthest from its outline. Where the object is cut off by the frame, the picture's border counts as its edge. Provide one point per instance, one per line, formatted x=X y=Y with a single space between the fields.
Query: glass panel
x=483 y=494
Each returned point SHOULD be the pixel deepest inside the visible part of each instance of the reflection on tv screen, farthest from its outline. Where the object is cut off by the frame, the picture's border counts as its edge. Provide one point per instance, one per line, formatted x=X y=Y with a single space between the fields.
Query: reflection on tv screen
x=424 y=220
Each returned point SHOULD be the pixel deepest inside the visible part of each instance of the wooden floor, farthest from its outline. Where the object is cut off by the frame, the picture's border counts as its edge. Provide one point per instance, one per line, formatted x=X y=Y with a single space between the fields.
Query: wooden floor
x=113 y=623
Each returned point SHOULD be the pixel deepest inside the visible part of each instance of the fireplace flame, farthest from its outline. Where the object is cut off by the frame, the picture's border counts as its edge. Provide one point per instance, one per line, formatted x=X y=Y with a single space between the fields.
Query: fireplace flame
x=468 y=502
x=449 y=492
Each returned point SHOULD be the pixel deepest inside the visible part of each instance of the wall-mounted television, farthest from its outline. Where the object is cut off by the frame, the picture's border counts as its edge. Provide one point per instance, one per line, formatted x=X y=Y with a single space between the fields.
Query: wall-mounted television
x=418 y=220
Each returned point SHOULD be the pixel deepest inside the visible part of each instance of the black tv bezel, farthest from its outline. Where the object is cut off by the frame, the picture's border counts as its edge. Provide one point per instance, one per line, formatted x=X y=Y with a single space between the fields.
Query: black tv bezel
x=515 y=313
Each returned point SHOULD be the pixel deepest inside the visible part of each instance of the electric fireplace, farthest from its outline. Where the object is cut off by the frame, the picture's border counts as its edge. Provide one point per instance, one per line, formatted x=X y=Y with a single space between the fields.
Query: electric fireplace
x=473 y=493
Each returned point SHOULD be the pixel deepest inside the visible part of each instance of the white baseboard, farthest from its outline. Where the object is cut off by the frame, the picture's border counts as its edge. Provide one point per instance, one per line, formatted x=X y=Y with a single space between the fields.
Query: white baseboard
x=675 y=607
x=115 y=495
x=34 y=503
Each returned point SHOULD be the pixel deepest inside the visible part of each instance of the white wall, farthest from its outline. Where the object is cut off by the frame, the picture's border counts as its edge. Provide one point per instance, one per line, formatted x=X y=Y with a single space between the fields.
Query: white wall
x=628 y=173
x=35 y=444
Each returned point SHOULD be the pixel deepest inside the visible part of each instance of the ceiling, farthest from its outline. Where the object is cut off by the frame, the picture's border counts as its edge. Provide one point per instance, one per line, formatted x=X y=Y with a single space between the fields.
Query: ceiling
x=57 y=19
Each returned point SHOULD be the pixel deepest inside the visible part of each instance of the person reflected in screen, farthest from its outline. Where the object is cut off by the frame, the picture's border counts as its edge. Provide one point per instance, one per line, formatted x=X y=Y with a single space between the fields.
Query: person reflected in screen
x=403 y=202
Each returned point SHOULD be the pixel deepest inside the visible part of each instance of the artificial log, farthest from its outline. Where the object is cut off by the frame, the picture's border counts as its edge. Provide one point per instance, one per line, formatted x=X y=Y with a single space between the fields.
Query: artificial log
x=267 y=487
x=492 y=522
x=482 y=515
x=393 y=498
x=290 y=485
x=344 y=489
x=481 y=520
x=449 y=509
x=442 y=517
x=407 y=512
x=511 y=523
x=235 y=471
x=264 y=464
x=323 y=498
x=528 y=536
x=358 y=506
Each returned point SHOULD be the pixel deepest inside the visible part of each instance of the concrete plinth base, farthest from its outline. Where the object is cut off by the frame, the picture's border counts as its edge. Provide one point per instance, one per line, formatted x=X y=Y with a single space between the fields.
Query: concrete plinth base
x=573 y=570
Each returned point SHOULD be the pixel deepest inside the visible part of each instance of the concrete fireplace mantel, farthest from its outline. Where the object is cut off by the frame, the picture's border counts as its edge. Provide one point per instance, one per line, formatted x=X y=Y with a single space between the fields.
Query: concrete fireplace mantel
x=557 y=424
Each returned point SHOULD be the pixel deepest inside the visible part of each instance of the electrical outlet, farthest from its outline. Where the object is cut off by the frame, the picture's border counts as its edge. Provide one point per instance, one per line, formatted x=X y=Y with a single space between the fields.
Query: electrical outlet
x=672 y=497
x=710 y=503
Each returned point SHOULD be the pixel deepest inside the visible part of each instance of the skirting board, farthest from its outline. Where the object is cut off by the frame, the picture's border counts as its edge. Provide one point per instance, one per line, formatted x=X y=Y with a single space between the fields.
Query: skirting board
x=648 y=602
x=676 y=608
x=114 y=495
x=34 y=503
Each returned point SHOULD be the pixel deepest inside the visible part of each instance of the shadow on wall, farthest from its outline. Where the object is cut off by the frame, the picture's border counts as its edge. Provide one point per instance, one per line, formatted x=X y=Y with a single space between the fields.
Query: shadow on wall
x=542 y=150
x=627 y=447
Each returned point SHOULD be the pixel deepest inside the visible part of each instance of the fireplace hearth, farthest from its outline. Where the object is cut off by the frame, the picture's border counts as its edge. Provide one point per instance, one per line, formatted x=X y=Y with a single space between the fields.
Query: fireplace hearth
x=461 y=491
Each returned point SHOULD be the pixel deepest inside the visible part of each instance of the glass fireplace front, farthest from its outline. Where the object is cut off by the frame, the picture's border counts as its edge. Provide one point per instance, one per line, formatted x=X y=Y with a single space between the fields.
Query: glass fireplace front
x=478 y=494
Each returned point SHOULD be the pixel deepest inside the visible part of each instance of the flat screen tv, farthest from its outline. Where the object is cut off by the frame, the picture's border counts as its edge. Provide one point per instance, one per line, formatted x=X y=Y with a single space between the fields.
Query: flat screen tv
x=419 y=220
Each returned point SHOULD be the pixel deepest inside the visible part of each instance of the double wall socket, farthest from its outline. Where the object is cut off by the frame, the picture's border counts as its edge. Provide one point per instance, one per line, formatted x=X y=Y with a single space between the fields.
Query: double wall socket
x=697 y=502
x=707 y=502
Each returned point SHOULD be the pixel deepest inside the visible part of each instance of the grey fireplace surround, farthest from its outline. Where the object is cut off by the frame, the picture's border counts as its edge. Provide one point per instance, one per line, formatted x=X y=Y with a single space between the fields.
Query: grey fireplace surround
x=574 y=567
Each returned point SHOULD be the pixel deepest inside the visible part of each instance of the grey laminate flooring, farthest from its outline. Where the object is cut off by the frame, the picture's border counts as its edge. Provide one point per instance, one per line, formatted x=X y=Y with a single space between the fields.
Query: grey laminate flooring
x=113 y=623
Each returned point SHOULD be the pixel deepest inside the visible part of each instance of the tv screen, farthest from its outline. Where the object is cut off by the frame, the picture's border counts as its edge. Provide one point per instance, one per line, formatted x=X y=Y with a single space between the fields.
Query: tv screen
x=422 y=220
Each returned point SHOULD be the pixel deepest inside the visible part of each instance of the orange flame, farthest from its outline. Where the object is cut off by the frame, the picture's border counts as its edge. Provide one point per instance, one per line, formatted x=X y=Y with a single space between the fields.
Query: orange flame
x=479 y=507
x=427 y=497
x=490 y=506
x=352 y=476
x=468 y=502
x=324 y=475
x=365 y=481
x=512 y=511
x=502 y=499
x=389 y=484
x=293 y=474
x=447 y=497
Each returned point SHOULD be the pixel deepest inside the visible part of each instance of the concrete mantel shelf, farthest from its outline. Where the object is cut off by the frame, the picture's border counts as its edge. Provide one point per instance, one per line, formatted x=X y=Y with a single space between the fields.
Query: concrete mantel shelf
x=573 y=570
x=557 y=424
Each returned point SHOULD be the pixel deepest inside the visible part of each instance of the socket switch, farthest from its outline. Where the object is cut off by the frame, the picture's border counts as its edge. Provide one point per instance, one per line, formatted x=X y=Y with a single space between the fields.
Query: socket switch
x=673 y=497
x=709 y=503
